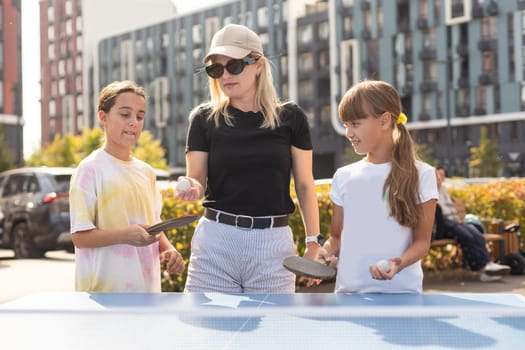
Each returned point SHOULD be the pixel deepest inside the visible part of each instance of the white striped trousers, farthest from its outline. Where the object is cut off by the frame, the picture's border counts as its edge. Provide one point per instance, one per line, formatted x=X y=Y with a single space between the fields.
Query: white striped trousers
x=232 y=260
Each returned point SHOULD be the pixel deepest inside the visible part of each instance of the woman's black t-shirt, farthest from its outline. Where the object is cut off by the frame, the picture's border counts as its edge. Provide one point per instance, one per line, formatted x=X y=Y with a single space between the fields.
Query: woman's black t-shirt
x=249 y=168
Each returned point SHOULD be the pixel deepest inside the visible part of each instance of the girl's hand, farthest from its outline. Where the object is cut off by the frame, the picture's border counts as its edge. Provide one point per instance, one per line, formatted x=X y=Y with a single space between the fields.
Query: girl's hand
x=332 y=259
x=174 y=261
x=379 y=274
x=312 y=252
x=188 y=189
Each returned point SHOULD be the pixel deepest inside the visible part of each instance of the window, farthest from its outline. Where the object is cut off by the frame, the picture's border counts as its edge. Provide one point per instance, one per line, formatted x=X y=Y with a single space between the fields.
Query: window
x=50 y=14
x=50 y=33
x=32 y=185
x=305 y=34
x=306 y=89
x=423 y=9
x=457 y=11
x=14 y=185
x=306 y=62
x=323 y=31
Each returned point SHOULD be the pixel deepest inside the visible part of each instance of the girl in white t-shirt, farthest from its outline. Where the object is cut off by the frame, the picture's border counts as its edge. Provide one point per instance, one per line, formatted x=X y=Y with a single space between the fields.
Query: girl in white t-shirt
x=384 y=204
x=113 y=200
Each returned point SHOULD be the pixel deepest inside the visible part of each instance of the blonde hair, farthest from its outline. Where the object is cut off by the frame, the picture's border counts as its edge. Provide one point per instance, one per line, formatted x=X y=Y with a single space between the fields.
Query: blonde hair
x=265 y=98
x=374 y=98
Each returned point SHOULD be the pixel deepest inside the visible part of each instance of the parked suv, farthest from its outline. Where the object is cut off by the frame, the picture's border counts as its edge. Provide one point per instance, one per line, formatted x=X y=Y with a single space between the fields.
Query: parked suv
x=34 y=210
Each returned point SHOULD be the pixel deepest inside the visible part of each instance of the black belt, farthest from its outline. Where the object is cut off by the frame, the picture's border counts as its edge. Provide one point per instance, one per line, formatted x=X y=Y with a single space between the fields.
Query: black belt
x=245 y=222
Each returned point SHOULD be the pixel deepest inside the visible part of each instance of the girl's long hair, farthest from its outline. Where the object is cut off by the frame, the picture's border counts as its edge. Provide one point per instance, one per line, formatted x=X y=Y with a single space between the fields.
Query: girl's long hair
x=265 y=98
x=373 y=98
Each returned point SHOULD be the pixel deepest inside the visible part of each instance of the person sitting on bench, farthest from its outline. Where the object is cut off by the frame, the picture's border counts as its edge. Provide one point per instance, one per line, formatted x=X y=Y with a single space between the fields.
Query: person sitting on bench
x=468 y=236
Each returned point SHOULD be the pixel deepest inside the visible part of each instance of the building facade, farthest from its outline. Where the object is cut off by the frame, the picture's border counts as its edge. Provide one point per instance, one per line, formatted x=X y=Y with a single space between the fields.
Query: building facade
x=11 y=78
x=458 y=65
x=69 y=34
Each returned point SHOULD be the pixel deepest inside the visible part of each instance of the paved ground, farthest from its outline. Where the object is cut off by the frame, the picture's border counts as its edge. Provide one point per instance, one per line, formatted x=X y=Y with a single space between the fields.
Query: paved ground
x=467 y=281
x=456 y=281
x=56 y=273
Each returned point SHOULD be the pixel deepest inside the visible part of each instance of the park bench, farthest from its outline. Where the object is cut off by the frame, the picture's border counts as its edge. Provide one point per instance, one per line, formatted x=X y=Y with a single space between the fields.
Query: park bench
x=503 y=240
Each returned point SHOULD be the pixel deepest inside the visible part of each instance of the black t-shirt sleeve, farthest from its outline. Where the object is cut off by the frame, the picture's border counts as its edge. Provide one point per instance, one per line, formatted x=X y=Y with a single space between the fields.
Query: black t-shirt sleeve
x=301 y=130
x=197 y=135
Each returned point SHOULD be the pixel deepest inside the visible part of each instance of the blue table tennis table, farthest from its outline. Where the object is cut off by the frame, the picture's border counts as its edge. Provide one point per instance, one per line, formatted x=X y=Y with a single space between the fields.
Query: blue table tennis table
x=77 y=321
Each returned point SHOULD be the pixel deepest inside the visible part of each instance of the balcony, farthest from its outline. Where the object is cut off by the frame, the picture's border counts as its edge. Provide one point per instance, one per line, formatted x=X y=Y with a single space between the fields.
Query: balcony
x=406 y=58
x=370 y=64
x=424 y=116
x=487 y=45
x=422 y=23
x=404 y=27
x=477 y=11
x=492 y=8
x=463 y=110
x=428 y=53
x=366 y=34
x=407 y=89
x=462 y=49
x=463 y=83
x=480 y=110
x=428 y=86
x=487 y=79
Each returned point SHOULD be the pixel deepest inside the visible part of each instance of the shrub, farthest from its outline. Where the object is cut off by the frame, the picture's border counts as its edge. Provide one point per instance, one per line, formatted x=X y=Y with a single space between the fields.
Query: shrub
x=179 y=237
x=502 y=199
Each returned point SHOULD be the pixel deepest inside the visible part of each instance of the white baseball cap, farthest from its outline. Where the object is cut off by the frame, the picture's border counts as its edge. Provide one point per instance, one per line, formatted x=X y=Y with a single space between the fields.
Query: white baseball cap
x=235 y=41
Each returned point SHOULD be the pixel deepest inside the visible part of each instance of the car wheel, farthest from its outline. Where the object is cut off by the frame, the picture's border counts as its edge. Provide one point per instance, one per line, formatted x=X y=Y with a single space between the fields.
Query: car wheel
x=23 y=244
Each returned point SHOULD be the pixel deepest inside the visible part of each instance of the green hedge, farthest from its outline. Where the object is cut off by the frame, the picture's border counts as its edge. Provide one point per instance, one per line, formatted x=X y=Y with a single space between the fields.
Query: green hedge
x=503 y=199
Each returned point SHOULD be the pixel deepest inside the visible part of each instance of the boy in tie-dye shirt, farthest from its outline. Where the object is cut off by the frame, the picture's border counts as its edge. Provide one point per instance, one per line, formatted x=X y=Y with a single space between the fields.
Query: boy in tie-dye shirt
x=113 y=200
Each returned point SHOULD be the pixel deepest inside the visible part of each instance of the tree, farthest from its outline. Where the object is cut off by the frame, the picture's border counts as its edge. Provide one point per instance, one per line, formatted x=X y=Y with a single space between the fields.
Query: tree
x=70 y=150
x=150 y=151
x=6 y=158
x=61 y=152
x=484 y=160
x=424 y=152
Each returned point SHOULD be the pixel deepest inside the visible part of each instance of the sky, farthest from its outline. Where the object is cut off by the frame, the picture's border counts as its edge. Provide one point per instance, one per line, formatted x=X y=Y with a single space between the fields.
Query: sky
x=31 y=66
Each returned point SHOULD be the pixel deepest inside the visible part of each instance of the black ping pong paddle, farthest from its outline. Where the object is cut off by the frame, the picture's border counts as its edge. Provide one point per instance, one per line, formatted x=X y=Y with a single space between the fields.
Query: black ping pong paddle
x=171 y=223
x=302 y=266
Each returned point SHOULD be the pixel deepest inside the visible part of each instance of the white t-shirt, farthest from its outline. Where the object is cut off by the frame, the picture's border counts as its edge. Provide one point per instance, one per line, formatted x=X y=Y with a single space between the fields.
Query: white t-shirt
x=370 y=233
x=108 y=193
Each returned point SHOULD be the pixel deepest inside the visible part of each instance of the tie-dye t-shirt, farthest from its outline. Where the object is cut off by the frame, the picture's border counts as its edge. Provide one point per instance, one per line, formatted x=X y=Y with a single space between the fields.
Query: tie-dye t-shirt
x=108 y=193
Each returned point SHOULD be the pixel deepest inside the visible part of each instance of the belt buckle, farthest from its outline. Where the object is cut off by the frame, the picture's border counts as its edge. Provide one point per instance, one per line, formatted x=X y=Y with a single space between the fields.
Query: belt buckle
x=237 y=217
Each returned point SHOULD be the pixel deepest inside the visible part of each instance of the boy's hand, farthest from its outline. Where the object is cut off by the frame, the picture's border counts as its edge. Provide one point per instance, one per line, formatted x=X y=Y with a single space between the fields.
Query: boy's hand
x=138 y=236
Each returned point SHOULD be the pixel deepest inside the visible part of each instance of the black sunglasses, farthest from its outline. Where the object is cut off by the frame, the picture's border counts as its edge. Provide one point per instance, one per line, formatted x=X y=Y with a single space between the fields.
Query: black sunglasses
x=234 y=66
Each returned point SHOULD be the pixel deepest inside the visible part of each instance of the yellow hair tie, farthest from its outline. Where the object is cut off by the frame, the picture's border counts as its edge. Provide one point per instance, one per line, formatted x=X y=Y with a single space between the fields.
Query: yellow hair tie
x=401 y=119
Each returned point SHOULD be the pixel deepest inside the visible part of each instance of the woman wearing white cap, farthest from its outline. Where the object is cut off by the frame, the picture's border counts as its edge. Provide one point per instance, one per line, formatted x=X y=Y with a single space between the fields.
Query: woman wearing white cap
x=242 y=148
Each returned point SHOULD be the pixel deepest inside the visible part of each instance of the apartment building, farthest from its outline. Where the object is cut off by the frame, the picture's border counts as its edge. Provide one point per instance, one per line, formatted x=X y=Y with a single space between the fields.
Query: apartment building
x=69 y=36
x=458 y=65
x=11 y=119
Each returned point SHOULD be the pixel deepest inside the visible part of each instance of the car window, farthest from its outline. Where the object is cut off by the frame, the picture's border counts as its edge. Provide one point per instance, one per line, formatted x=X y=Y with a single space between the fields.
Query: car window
x=13 y=185
x=32 y=185
x=62 y=182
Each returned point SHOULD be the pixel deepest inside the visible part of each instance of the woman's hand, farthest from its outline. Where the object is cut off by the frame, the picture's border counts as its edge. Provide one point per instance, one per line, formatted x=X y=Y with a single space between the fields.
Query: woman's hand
x=188 y=189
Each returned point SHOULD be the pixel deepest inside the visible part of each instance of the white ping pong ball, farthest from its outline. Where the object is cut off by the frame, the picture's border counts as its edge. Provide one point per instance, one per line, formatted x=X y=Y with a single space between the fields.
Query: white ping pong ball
x=183 y=185
x=383 y=265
